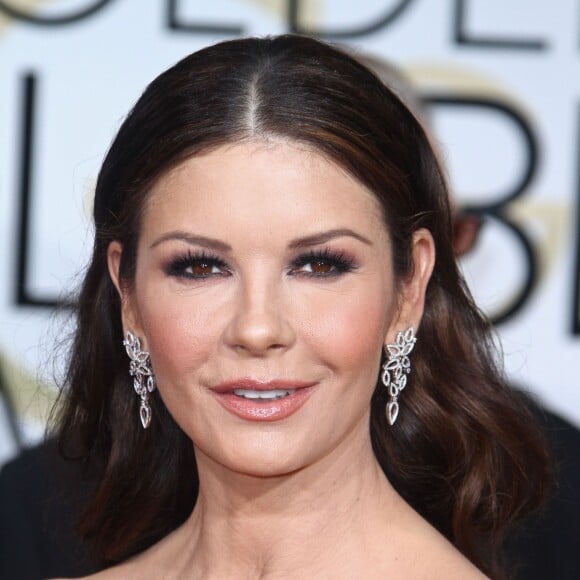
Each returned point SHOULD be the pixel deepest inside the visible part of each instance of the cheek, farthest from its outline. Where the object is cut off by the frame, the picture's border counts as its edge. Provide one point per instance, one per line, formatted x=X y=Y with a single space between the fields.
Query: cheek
x=349 y=329
x=179 y=335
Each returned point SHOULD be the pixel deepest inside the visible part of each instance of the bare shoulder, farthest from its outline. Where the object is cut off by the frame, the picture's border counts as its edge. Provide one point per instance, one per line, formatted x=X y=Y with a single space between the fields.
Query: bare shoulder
x=431 y=559
x=423 y=553
x=446 y=562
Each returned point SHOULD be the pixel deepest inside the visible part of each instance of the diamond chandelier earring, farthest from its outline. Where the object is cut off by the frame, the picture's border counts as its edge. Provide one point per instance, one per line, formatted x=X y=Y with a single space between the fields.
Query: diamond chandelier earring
x=142 y=373
x=396 y=369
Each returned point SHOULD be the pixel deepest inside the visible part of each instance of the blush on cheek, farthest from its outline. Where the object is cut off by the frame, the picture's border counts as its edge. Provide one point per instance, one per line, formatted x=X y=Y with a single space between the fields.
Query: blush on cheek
x=350 y=331
x=178 y=341
x=355 y=334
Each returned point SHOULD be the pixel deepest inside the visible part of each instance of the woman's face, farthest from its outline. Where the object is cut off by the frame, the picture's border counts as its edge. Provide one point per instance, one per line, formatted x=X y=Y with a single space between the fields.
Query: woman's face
x=265 y=292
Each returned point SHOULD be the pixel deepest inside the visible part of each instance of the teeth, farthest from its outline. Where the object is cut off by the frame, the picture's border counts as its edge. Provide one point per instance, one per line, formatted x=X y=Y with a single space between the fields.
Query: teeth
x=264 y=395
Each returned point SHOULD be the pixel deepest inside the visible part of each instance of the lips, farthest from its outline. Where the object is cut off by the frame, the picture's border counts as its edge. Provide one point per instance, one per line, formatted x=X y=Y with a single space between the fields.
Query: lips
x=262 y=400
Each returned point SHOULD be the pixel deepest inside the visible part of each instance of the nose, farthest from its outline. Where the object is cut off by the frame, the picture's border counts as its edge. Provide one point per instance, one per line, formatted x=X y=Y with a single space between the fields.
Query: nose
x=260 y=321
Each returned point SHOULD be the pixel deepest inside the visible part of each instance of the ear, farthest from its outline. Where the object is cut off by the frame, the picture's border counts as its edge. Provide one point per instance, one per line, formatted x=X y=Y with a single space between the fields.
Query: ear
x=129 y=312
x=414 y=287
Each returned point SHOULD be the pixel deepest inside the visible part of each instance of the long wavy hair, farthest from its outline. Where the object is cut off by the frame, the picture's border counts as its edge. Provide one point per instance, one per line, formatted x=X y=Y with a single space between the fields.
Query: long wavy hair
x=464 y=453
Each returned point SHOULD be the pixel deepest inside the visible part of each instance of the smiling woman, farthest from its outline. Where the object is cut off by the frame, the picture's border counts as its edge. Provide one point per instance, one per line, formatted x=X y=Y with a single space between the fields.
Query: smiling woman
x=272 y=228
x=264 y=287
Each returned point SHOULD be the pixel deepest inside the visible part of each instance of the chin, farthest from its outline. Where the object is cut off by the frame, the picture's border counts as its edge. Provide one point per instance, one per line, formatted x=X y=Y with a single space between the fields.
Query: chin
x=265 y=455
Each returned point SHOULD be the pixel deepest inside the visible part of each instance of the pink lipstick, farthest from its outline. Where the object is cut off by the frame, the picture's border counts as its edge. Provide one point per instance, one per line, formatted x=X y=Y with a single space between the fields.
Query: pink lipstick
x=262 y=400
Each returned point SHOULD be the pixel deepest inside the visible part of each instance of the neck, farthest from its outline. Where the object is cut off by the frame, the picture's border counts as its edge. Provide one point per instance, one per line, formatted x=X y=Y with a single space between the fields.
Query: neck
x=284 y=524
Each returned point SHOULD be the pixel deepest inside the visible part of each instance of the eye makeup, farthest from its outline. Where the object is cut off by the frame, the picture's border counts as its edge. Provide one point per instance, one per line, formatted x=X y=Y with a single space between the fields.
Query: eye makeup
x=201 y=265
x=196 y=265
x=322 y=263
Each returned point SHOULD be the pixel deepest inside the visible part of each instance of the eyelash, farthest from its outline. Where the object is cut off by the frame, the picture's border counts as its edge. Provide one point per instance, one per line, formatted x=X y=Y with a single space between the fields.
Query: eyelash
x=337 y=262
x=178 y=266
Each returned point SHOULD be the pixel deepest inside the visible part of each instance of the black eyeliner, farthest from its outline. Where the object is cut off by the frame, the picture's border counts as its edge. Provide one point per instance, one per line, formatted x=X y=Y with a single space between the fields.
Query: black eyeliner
x=177 y=266
x=338 y=260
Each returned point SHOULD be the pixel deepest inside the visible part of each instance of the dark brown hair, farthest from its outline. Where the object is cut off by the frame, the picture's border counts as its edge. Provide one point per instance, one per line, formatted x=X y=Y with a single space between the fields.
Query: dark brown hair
x=464 y=453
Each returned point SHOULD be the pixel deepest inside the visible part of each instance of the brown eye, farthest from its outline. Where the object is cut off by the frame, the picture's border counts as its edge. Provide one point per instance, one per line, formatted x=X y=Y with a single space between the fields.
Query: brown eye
x=203 y=269
x=197 y=267
x=320 y=267
x=322 y=264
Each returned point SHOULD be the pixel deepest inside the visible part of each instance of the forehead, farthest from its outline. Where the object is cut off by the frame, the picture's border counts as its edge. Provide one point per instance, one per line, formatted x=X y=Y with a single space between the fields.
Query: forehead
x=258 y=185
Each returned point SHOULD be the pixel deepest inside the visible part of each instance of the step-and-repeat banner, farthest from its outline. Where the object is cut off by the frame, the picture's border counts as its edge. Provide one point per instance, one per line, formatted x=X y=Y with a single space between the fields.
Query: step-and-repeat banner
x=502 y=79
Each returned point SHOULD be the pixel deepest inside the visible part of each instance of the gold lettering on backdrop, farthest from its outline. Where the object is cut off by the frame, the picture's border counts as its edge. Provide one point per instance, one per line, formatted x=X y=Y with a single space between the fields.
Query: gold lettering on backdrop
x=28 y=6
x=549 y=224
x=30 y=397
x=436 y=77
x=310 y=10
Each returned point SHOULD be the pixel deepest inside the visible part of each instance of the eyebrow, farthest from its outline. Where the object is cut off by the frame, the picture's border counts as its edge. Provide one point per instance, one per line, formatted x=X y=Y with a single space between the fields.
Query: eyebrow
x=323 y=237
x=215 y=244
x=193 y=240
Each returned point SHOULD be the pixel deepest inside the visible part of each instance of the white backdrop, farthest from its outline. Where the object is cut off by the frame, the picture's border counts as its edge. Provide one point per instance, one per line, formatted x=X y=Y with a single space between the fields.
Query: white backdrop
x=503 y=77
